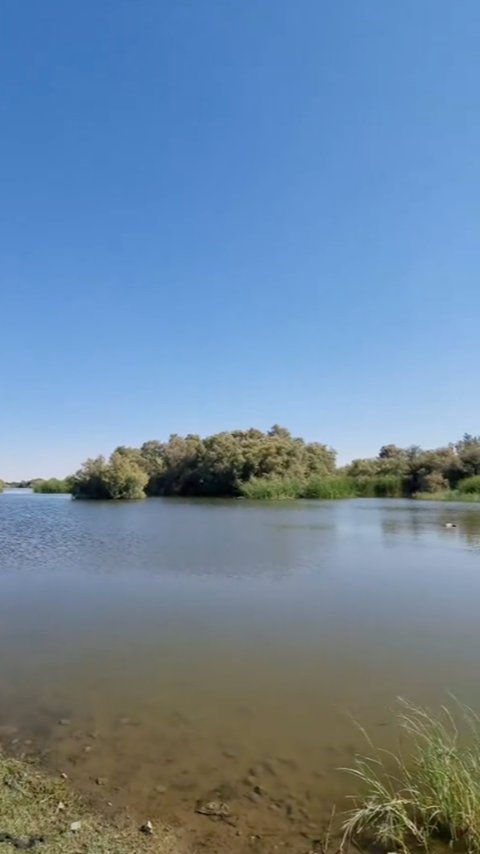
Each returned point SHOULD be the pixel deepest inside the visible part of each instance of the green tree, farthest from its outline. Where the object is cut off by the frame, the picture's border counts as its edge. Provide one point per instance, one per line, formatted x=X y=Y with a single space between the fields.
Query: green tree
x=119 y=478
x=124 y=478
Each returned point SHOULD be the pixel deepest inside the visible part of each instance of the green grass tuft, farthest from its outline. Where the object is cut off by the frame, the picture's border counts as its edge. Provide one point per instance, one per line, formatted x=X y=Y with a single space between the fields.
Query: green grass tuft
x=432 y=792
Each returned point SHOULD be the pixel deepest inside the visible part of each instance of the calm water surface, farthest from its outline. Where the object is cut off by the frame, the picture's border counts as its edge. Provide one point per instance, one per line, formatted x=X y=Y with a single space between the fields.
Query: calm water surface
x=190 y=642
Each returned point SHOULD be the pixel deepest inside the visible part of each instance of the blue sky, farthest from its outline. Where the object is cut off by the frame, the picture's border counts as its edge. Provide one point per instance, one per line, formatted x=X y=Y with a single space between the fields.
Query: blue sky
x=223 y=214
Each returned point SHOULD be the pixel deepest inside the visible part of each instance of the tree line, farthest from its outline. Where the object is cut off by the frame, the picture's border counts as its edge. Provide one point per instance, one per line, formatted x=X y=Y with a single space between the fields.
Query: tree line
x=274 y=464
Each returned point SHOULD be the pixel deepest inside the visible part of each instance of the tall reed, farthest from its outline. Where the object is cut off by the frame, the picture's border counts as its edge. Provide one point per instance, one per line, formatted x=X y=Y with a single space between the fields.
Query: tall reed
x=428 y=790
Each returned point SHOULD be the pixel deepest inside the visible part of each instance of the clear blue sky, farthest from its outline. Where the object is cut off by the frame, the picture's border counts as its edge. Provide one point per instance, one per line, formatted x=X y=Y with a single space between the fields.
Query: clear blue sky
x=225 y=213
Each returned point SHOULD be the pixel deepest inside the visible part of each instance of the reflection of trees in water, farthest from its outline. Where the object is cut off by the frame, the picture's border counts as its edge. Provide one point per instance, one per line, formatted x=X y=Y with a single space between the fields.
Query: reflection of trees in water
x=423 y=521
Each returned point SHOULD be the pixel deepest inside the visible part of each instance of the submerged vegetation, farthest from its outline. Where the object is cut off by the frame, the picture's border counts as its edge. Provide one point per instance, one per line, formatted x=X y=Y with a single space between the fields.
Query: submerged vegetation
x=428 y=791
x=273 y=465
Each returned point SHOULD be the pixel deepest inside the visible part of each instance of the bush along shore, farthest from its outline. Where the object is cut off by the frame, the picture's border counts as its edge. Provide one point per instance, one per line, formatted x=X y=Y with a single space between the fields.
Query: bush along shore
x=41 y=813
x=274 y=465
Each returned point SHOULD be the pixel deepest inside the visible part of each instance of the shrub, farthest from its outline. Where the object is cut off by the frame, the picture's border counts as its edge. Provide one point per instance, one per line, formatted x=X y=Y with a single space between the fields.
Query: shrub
x=119 y=478
x=470 y=485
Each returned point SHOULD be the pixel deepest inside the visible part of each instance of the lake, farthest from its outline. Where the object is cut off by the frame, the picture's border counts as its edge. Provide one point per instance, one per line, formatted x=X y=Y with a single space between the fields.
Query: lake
x=177 y=650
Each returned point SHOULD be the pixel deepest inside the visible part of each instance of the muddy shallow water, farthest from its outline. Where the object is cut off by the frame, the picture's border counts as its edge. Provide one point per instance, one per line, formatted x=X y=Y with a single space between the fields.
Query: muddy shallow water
x=170 y=651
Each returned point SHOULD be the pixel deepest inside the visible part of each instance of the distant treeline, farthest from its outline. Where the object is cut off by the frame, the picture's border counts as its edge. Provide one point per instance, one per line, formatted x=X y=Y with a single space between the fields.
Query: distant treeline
x=272 y=465
x=275 y=464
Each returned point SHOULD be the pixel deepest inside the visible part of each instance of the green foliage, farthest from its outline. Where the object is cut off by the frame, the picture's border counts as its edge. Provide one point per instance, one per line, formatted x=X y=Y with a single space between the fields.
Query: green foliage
x=223 y=463
x=119 y=478
x=430 y=790
x=396 y=471
x=276 y=488
x=53 y=485
x=470 y=486
x=272 y=488
x=380 y=486
x=124 y=478
x=329 y=488
x=275 y=465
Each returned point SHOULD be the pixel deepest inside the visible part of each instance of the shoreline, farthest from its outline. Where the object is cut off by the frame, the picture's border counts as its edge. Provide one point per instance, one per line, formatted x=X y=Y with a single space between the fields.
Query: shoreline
x=42 y=808
x=449 y=497
x=38 y=811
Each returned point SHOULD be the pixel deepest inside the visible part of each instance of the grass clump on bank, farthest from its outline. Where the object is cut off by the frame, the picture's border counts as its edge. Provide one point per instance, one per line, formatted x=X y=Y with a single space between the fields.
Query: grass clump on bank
x=38 y=812
x=429 y=793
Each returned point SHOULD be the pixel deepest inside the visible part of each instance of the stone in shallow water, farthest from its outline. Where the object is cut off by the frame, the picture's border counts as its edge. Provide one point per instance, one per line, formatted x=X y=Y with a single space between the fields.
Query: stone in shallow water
x=216 y=809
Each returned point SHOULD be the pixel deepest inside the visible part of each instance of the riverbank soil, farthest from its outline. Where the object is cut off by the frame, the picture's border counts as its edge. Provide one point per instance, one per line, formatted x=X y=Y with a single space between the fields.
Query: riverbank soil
x=255 y=812
x=40 y=813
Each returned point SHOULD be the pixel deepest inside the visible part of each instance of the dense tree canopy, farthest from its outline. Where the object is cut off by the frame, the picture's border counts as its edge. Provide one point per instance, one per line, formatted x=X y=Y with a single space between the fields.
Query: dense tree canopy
x=190 y=465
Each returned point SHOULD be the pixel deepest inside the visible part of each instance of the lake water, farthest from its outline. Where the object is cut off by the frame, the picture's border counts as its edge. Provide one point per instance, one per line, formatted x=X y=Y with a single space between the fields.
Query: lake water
x=197 y=649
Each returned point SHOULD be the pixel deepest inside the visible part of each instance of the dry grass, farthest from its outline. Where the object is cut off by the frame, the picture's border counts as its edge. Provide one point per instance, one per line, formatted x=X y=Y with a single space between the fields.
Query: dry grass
x=432 y=794
x=33 y=805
